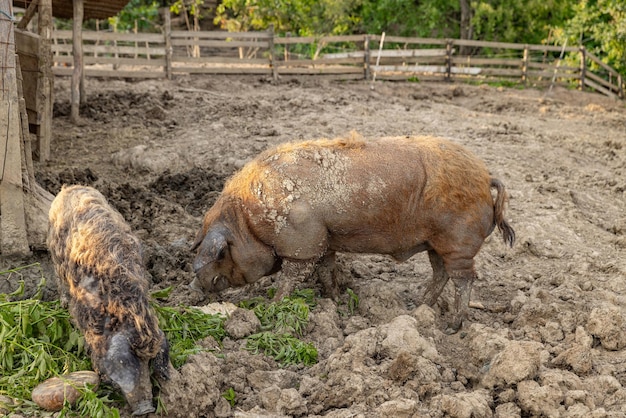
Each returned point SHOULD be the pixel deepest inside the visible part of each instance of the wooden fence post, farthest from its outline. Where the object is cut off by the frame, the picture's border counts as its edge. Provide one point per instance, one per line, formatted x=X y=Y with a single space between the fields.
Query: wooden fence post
x=525 y=66
x=167 y=33
x=77 y=52
x=272 y=58
x=45 y=81
x=13 y=235
x=583 y=68
x=286 y=51
x=366 y=57
x=449 y=43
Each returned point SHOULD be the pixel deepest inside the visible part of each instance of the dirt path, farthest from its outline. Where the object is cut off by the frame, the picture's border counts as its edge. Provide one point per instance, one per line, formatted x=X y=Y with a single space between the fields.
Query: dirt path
x=550 y=341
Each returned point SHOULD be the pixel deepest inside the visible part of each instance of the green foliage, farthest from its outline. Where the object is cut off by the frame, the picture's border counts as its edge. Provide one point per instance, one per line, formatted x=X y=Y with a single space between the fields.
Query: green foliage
x=39 y=342
x=143 y=13
x=599 y=25
x=353 y=301
x=290 y=315
x=299 y=17
x=230 y=396
x=279 y=322
x=284 y=348
x=91 y=404
x=184 y=327
x=429 y=18
x=528 y=21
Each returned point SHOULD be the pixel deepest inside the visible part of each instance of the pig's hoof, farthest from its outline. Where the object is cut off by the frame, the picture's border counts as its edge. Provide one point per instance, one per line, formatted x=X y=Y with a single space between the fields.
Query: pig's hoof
x=143 y=408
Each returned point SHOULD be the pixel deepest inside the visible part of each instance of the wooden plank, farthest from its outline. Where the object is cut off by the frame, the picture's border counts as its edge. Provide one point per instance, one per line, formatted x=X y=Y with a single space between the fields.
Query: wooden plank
x=410 y=68
x=602 y=81
x=219 y=60
x=292 y=40
x=27 y=44
x=322 y=70
x=139 y=62
x=547 y=66
x=410 y=40
x=13 y=235
x=111 y=73
x=550 y=73
x=395 y=53
x=404 y=61
x=599 y=88
x=176 y=34
x=223 y=70
x=487 y=61
x=321 y=61
x=602 y=64
x=66 y=35
x=220 y=44
x=406 y=77
x=502 y=71
x=45 y=83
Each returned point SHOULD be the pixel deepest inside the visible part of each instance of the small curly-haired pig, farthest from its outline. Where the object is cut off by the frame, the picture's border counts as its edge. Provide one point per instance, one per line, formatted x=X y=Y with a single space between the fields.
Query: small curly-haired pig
x=101 y=277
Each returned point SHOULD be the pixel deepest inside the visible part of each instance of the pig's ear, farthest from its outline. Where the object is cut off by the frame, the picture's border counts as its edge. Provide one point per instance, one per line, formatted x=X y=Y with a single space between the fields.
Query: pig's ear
x=216 y=241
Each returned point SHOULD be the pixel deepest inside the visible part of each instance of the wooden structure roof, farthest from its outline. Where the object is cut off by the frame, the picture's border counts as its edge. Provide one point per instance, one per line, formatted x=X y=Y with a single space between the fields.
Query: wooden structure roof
x=93 y=9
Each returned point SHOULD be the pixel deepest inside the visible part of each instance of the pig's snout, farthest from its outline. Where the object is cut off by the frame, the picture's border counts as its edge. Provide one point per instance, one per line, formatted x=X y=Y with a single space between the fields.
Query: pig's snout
x=205 y=283
x=130 y=374
x=196 y=286
x=143 y=408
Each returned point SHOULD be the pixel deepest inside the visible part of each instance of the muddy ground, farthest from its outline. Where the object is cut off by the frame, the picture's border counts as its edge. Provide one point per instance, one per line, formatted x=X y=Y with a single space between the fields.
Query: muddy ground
x=549 y=340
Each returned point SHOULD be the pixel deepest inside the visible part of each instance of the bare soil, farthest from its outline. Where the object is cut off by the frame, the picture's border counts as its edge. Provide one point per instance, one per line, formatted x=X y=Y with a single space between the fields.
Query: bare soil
x=549 y=337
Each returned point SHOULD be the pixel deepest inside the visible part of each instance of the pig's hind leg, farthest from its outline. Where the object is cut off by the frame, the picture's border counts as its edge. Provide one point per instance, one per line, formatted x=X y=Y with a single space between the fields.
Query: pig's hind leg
x=462 y=273
x=438 y=281
x=463 y=276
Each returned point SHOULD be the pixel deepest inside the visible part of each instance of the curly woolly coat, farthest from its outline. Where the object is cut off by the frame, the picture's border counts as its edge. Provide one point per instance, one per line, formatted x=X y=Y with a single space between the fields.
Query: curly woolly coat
x=101 y=275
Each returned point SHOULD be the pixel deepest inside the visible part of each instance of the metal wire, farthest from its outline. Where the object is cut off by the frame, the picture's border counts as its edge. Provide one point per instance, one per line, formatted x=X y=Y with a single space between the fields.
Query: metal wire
x=11 y=17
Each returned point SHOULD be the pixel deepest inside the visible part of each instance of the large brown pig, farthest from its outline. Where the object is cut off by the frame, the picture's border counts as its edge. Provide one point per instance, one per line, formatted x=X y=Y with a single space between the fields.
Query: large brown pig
x=302 y=202
x=101 y=276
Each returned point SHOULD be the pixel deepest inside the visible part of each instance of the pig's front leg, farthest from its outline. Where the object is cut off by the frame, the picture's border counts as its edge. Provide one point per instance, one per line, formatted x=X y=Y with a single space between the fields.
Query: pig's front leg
x=292 y=273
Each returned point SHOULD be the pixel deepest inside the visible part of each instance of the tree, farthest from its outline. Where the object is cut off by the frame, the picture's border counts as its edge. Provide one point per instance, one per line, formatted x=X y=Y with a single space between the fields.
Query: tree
x=599 y=25
x=527 y=21
x=299 y=17
x=428 y=18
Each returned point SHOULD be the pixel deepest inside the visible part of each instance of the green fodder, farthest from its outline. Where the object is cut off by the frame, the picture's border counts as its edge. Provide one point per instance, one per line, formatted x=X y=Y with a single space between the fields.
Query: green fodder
x=281 y=324
x=185 y=327
x=39 y=342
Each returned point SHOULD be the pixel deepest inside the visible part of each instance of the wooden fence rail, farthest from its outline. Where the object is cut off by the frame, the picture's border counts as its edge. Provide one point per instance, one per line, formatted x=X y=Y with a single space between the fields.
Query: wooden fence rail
x=346 y=57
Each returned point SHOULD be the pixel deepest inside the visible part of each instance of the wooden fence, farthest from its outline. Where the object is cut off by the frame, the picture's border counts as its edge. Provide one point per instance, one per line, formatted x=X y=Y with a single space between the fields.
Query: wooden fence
x=367 y=57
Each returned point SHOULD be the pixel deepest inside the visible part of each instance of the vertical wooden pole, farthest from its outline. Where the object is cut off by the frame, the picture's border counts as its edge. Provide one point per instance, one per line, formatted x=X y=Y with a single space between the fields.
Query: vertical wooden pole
x=583 y=68
x=13 y=235
x=525 y=66
x=45 y=85
x=77 y=51
x=287 y=35
x=273 y=67
x=167 y=33
x=448 y=59
x=366 y=58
